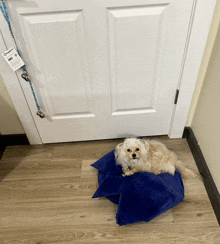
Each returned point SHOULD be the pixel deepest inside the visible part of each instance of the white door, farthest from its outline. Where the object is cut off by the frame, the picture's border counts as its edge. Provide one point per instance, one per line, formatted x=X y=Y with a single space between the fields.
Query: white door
x=101 y=69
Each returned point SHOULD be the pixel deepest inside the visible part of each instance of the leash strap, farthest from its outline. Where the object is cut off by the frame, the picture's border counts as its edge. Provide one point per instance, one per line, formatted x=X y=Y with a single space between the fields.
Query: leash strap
x=25 y=74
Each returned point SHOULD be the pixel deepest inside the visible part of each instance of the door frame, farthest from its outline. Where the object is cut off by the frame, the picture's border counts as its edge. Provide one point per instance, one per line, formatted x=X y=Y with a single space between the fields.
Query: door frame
x=198 y=31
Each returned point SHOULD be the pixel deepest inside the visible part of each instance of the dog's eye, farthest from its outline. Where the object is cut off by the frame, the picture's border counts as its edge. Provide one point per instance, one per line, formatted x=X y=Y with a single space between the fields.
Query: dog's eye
x=137 y=149
x=129 y=150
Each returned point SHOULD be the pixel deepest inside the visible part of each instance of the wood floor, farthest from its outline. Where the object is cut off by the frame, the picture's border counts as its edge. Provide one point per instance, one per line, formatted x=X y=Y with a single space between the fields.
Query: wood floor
x=45 y=197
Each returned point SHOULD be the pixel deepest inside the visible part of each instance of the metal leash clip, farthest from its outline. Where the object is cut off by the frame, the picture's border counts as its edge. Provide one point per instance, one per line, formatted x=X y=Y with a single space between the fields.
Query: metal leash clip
x=25 y=76
x=40 y=114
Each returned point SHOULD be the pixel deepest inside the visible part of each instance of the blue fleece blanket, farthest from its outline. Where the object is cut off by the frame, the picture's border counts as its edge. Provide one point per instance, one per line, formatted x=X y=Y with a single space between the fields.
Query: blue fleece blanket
x=140 y=197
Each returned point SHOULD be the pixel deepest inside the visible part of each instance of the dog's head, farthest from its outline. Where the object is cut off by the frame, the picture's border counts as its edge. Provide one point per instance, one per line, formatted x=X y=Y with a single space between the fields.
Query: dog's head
x=131 y=149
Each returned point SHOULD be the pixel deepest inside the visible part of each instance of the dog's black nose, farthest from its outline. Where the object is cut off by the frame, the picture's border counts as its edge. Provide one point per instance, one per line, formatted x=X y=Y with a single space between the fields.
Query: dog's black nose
x=134 y=155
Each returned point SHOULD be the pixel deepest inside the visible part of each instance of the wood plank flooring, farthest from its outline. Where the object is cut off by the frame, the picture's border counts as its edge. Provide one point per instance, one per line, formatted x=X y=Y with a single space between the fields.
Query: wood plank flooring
x=45 y=197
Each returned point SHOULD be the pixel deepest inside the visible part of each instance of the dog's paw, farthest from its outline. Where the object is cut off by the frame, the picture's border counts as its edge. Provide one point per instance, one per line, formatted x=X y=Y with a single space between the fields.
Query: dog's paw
x=128 y=173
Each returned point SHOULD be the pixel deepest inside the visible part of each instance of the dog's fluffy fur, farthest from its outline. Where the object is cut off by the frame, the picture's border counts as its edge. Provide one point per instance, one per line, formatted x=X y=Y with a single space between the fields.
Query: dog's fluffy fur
x=137 y=155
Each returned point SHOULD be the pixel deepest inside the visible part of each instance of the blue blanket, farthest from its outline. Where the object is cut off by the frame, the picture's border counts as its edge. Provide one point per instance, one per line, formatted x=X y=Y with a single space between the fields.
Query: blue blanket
x=140 y=197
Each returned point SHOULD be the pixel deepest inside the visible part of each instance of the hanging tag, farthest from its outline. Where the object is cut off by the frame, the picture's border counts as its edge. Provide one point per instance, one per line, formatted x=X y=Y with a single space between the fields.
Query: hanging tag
x=13 y=59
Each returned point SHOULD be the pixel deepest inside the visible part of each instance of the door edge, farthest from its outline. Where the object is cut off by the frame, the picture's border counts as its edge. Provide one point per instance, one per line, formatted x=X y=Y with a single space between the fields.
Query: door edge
x=202 y=14
x=14 y=89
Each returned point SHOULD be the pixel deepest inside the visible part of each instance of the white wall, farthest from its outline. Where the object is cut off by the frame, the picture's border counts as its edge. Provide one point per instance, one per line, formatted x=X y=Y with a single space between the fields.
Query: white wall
x=205 y=61
x=9 y=121
x=206 y=119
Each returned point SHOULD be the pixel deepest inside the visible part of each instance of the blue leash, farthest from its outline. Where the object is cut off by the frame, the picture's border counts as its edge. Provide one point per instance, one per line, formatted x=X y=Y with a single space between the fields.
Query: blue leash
x=24 y=75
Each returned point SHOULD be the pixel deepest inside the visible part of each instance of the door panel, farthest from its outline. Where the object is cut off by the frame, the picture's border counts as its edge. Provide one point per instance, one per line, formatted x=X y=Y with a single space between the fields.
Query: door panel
x=102 y=69
x=64 y=75
x=133 y=36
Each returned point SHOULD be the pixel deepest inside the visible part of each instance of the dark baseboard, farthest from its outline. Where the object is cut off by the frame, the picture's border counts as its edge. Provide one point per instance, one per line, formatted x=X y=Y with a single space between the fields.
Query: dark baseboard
x=2 y=145
x=209 y=183
x=12 y=140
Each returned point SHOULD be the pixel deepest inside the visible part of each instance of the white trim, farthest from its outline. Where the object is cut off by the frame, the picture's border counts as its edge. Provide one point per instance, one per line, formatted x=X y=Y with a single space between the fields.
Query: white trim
x=200 y=28
x=14 y=88
x=199 y=32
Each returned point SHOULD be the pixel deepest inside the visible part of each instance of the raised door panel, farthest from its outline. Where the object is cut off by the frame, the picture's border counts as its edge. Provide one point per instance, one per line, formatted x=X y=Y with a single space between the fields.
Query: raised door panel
x=57 y=44
x=133 y=44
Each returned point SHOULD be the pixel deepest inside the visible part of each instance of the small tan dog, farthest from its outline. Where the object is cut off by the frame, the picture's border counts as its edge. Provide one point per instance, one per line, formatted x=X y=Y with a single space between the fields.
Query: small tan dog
x=137 y=155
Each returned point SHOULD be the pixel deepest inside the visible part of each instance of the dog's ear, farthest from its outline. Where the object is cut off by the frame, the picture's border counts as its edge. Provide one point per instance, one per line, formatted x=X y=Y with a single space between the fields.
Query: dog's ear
x=146 y=144
x=118 y=150
x=119 y=154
